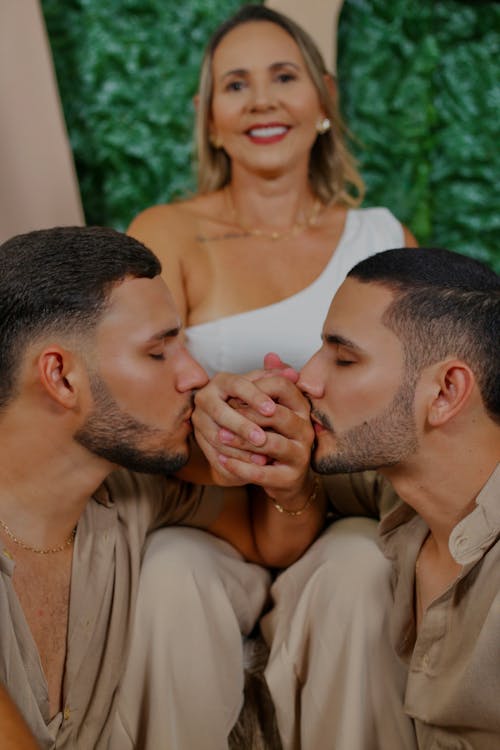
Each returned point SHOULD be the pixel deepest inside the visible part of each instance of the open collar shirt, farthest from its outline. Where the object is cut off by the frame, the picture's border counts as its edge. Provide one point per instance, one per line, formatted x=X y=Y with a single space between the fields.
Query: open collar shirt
x=453 y=688
x=105 y=570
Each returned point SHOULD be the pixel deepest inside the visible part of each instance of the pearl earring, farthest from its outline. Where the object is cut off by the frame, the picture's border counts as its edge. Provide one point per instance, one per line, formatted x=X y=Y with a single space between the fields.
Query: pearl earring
x=323 y=125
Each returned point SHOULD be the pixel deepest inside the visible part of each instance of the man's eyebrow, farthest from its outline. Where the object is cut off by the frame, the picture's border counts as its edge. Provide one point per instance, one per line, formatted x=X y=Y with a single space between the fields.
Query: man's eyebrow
x=167 y=333
x=336 y=338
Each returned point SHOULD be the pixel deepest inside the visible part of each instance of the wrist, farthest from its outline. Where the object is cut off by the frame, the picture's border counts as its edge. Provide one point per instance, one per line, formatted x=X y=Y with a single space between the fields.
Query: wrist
x=300 y=502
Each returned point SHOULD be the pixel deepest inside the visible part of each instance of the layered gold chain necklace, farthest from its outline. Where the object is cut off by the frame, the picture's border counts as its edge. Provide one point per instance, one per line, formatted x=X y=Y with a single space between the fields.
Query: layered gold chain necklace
x=293 y=231
x=38 y=550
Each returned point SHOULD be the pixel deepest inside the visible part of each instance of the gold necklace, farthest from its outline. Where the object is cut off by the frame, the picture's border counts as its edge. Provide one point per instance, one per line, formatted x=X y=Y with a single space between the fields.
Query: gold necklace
x=293 y=231
x=37 y=550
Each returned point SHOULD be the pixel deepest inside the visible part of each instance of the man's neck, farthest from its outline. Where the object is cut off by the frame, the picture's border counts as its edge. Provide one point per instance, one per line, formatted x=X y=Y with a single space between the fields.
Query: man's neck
x=443 y=489
x=46 y=482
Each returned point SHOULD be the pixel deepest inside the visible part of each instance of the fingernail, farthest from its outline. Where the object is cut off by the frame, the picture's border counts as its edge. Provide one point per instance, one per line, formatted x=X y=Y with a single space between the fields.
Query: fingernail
x=256 y=458
x=222 y=458
x=267 y=407
x=257 y=437
x=226 y=436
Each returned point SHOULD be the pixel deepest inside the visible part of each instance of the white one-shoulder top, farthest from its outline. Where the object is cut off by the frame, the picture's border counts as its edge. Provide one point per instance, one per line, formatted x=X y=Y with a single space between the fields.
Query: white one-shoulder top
x=292 y=326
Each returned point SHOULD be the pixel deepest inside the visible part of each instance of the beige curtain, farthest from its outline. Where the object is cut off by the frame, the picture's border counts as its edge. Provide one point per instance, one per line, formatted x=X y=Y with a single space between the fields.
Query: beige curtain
x=319 y=18
x=38 y=185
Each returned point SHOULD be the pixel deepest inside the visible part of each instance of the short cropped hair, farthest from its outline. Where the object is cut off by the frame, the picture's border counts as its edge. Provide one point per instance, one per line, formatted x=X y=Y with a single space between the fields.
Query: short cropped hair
x=445 y=305
x=60 y=280
x=332 y=170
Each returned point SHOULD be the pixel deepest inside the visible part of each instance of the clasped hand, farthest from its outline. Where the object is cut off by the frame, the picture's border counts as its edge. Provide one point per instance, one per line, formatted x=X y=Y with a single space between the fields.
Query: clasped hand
x=256 y=429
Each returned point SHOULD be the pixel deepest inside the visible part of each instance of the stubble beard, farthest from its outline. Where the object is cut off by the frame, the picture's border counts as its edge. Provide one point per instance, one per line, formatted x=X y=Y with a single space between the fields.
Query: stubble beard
x=111 y=433
x=384 y=441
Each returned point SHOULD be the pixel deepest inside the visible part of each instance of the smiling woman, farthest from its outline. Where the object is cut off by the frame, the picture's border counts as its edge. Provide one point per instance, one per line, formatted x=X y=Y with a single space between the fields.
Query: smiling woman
x=274 y=220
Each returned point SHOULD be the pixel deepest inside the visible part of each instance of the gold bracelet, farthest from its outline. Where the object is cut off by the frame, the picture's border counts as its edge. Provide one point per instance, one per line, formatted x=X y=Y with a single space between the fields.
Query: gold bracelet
x=309 y=501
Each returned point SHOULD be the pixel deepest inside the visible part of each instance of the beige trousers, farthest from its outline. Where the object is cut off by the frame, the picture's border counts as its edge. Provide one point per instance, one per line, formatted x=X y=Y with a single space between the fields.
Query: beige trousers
x=335 y=681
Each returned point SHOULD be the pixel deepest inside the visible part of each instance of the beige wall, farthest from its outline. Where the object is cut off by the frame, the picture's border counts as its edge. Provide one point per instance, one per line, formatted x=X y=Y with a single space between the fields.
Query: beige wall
x=37 y=179
x=319 y=18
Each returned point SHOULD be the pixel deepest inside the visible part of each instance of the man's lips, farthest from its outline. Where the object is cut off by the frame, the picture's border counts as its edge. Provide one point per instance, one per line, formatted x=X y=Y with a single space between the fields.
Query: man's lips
x=269 y=133
x=186 y=416
x=318 y=425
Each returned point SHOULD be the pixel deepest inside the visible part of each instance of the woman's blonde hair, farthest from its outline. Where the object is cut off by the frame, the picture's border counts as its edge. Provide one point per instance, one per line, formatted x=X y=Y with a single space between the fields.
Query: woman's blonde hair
x=332 y=169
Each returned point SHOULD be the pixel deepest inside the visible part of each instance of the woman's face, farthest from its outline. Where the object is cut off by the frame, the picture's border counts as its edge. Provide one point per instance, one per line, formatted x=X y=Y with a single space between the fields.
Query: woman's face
x=264 y=106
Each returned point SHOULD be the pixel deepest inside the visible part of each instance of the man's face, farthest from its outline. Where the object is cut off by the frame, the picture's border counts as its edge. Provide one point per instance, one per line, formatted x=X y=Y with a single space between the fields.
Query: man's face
x=362 y=400
x=143 y=382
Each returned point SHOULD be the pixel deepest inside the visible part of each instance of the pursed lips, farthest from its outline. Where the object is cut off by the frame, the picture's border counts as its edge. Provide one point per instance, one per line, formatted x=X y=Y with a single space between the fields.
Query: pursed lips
x=320 y=424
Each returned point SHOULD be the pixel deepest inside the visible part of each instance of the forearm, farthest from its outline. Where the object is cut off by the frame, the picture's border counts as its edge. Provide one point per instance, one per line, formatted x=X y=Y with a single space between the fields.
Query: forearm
x=14 y=730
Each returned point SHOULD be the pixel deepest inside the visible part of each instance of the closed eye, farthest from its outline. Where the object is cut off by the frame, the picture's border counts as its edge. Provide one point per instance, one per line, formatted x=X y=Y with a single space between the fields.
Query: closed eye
x=157 y=356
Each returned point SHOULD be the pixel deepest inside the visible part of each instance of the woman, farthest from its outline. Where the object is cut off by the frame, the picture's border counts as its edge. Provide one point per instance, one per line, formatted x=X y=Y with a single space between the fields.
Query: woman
x=273 y=223
x=253 y=261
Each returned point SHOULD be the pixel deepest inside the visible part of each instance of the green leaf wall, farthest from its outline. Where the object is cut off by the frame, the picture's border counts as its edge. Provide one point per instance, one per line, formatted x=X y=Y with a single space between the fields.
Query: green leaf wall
x=418 y=85
x=420 y=88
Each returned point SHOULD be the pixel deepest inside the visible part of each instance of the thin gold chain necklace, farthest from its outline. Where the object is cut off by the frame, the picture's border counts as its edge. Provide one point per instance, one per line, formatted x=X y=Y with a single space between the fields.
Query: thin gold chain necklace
x=293 y=231
x=37 y=550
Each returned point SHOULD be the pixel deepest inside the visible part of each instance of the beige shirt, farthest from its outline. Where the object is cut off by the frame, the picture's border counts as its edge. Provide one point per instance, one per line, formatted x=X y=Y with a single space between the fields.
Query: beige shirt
x=106 y=563
x=453 y=688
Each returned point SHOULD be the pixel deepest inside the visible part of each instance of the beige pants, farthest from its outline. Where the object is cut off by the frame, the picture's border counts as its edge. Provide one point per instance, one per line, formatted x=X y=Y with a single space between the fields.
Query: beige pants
x=334 y=679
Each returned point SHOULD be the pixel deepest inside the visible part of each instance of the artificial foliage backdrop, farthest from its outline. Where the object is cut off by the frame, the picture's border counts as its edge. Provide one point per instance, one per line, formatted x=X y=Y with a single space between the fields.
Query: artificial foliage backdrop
x=418 y=88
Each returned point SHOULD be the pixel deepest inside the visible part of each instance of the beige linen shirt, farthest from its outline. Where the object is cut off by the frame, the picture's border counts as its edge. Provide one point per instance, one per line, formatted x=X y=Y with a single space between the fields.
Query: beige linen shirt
x=453 y=687
x=106 y=563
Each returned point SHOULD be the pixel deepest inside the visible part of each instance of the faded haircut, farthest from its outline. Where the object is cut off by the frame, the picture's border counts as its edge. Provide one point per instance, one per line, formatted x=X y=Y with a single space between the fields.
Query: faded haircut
x=59 y=280
x=445 y=305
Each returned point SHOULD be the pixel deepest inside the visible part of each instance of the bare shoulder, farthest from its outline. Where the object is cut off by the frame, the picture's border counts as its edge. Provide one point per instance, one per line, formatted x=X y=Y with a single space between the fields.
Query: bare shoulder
x=410 y=239
x=173 y=231
x=180 y=220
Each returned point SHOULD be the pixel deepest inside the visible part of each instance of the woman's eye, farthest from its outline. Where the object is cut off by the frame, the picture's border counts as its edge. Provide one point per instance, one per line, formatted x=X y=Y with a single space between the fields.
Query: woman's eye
x=235 y=86
x=344 y=362
x=157 y=356
x=286 y=77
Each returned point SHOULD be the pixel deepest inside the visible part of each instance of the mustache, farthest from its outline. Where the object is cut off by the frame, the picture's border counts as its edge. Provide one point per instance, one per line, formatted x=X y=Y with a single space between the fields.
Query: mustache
x=322 y=419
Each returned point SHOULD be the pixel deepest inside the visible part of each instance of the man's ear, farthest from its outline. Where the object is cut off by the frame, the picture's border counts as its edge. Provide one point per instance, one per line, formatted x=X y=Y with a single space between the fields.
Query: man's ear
x=454 y=382
x=59 y=375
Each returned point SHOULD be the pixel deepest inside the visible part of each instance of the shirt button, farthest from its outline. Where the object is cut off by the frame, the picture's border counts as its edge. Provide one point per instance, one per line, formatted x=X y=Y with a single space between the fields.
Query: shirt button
x=66 y=713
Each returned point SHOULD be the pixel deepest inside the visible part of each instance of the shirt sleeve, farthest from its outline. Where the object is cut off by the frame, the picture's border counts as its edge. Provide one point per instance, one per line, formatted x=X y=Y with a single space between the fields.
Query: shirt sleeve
x=151 y=501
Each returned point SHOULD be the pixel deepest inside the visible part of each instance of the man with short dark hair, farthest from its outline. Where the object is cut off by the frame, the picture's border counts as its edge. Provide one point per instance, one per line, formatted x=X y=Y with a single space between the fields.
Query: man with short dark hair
x=95 y=376
x=407 y=383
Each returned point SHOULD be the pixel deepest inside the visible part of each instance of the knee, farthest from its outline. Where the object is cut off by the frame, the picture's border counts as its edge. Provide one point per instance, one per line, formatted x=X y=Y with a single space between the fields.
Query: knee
x=177 y=558
x=349 y=572
x=351 y=556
